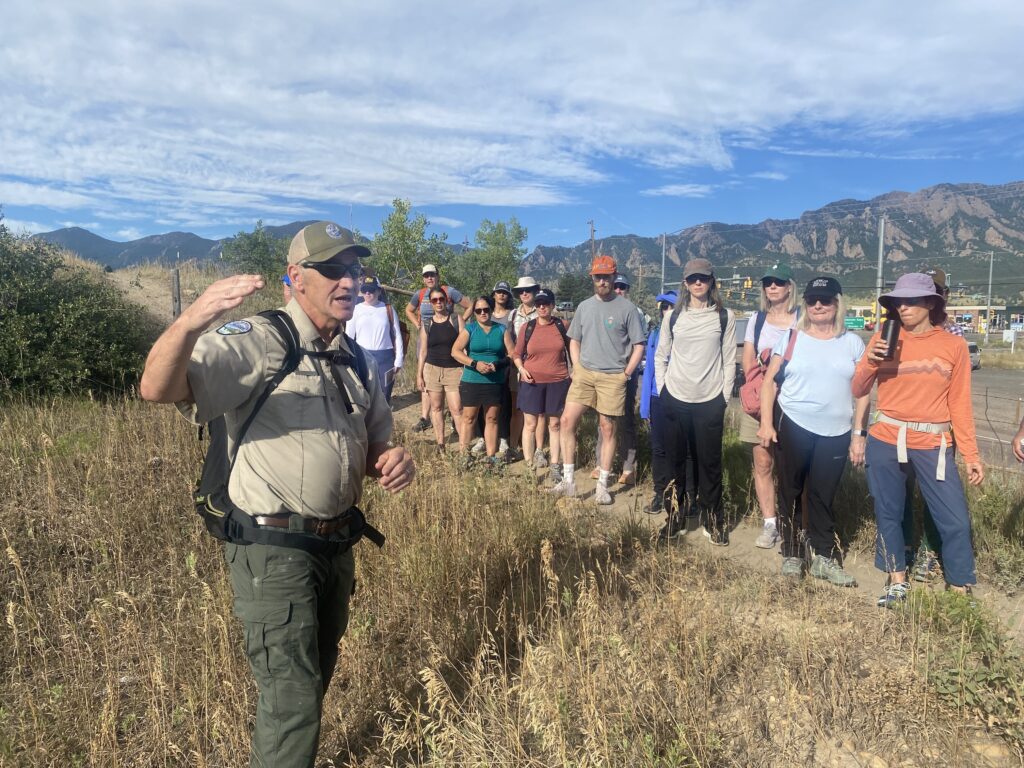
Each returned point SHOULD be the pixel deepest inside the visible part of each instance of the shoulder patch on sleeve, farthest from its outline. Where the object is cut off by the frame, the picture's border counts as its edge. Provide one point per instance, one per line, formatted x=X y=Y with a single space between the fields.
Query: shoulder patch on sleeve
x=235 y=327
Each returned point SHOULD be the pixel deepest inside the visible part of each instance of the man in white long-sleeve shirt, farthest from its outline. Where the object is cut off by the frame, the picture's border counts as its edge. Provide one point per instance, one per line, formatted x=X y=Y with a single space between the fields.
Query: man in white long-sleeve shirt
x=374 y=327
x=694 y=370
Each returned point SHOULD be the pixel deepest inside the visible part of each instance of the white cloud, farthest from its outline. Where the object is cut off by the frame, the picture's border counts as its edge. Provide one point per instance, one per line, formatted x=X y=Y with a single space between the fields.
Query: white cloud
x=679 y=190
x=197 y=115
x=444 y=221
x=20 y=227
x=129 y=233
x=769 y=175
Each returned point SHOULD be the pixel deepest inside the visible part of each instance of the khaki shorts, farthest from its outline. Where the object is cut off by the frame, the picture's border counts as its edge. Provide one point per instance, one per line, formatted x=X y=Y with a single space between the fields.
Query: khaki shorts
x=438 y=379
x=604 y=392
x=748 y=428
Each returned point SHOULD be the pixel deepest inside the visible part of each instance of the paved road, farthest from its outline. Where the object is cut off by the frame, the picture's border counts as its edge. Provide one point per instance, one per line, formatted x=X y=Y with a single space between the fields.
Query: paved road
x=998 y=397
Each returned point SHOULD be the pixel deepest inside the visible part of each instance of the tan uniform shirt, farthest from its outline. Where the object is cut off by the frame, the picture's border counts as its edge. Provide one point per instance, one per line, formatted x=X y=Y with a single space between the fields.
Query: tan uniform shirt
x=303 y=453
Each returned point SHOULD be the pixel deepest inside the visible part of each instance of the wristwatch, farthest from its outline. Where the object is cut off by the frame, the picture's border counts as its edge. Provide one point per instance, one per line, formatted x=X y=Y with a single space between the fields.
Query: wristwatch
x=860 y=433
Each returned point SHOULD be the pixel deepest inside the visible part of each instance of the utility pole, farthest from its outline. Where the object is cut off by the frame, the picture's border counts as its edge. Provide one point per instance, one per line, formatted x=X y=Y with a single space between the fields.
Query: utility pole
x=988 y=310
x=881 y=285
x=593 y=248
x=664 y=237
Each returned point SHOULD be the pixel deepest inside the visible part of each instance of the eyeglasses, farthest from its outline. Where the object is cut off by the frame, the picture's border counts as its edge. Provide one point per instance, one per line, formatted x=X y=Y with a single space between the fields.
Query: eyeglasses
x=335 y=271
x=543 y=305
x=825 y=301
x=699 y=279
x=621 y=288
x=438 y=300
x=520 y=291
x=602 y=278
x=909 y=301
x=430 y=274
x=482 y=310
x=368 y=290
x=774 y=282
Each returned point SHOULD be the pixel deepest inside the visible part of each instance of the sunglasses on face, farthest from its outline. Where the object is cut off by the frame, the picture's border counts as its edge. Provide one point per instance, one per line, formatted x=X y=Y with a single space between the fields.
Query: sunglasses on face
x=520 y=291
x=438 y=300
x=663 y=305
x=699 y=279
x=543 y=304
x=482 y=310
x=621 y=288
x=910 y=301
x=430 y=274
x=336 y=271
x=602 y=278
x=774 y=282
x=368 y=290
x=826 y=301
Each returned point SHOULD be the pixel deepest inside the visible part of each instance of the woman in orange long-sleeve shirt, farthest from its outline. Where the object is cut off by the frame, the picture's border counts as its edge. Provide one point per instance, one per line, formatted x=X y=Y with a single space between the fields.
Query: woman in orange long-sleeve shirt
x=924 y=392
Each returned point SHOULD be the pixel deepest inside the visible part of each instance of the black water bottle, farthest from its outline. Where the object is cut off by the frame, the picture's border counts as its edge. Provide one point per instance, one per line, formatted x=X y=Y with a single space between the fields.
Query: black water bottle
x=890 y=335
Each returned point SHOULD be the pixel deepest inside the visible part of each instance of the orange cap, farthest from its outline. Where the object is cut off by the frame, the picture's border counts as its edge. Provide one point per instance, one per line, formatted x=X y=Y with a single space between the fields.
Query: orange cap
x=603 y=265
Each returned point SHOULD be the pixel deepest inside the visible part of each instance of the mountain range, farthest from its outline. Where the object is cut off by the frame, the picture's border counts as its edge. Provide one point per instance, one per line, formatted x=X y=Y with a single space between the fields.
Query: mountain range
x=953 y=226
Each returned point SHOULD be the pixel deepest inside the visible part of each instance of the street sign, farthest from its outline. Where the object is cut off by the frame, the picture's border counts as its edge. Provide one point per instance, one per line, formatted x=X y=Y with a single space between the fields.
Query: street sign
x=854 y=323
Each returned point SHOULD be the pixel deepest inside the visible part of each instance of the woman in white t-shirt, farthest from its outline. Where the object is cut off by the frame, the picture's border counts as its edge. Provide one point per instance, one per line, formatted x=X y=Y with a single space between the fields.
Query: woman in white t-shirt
x=811 y=370
x=777 y=315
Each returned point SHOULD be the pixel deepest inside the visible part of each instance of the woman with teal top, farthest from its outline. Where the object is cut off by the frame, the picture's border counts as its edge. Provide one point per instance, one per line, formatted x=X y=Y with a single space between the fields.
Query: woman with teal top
x=480 y=347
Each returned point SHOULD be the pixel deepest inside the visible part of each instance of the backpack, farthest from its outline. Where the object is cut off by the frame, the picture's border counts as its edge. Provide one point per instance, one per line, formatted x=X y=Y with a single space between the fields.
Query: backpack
x=227 y=522
x=532 y=324
x=402 y=329
x=723 y=319
x=786 y=357
x=750 y=389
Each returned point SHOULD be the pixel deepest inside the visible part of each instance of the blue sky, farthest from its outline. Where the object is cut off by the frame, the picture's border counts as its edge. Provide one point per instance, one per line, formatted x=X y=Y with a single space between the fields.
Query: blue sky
x=135 y=118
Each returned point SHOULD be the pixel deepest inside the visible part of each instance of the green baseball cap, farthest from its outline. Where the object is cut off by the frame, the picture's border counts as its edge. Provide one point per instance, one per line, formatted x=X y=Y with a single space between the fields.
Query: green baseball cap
x=779 y=270
x=320 y=242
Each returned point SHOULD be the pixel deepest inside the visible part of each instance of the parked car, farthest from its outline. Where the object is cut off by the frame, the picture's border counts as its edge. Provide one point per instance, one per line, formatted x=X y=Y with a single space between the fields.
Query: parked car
x=564 y=306
x=975 y=353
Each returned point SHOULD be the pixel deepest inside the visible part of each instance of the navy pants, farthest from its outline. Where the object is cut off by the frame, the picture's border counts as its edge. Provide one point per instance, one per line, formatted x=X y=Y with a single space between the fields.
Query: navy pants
x=887 y=481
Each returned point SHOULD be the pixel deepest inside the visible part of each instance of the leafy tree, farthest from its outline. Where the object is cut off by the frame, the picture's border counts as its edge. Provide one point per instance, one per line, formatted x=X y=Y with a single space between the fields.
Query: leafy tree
x=574 y=288
x=402 y=247
x=65 y=328
x=498 y=250
x=257 y=252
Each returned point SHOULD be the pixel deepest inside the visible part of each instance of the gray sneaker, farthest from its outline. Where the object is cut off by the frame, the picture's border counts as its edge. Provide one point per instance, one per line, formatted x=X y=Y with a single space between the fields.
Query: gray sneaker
x=539 y=459
x=565 y=487
x=793 y=568
x=829 y=569
x=768 y=537
x=601 y=495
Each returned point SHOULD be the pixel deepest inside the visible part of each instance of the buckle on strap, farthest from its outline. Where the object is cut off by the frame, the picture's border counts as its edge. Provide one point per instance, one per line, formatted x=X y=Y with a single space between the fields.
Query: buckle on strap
x=935 y=428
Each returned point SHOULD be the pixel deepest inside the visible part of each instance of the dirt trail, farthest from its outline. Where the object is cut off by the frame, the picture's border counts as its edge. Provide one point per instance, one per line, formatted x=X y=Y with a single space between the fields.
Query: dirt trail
x=629 y=501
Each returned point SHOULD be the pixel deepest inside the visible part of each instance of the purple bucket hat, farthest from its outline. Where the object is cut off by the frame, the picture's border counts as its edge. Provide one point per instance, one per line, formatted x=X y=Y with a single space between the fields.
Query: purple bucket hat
x=912 y=286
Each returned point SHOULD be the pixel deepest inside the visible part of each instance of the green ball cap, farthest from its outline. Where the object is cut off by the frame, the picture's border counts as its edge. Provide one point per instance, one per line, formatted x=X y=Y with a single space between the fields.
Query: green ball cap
x=320 y=242
x=779 y=270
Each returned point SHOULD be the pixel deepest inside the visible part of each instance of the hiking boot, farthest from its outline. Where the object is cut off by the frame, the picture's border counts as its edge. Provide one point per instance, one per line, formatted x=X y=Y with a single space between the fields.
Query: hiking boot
x=478 y=446
x=828 y=568
x=717 y=536
x=926 y=566
x=657 y=506
x=601 y=495
x=675 y=526
x=539 y=459
x=894 y=596
x=565 y=487
x=556 y=473
x=768 y=537
x=793 y=568
x=422 y=425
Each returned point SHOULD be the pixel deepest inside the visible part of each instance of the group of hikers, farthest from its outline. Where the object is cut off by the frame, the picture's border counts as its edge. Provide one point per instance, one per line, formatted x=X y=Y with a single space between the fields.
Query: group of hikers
x=299 y=417
x=509 y=371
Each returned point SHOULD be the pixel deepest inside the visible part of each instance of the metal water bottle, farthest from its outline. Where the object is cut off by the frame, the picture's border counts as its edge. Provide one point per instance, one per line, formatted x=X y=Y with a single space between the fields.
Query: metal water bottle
x=890 y=335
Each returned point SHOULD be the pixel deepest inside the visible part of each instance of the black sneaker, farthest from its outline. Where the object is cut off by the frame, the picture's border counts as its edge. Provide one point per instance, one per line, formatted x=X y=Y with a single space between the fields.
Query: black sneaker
x=657 y=505
x=422 y=425
x=717 y=536
x=675 y=526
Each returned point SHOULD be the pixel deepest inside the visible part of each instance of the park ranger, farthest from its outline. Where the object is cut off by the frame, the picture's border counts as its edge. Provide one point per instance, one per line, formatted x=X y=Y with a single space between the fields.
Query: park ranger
x=298 y=471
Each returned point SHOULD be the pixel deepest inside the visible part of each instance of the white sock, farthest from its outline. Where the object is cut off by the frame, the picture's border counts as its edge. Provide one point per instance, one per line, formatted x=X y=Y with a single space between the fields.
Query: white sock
x=769 y=522
x=602 y=477
x=567 y=471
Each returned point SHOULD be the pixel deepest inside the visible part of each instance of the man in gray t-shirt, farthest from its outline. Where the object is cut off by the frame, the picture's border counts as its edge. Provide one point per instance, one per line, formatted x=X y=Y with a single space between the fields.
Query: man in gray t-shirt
x=606 y=344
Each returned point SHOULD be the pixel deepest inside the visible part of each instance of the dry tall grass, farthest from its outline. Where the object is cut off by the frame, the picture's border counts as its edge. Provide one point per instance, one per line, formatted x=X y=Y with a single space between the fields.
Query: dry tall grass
x=494 y=628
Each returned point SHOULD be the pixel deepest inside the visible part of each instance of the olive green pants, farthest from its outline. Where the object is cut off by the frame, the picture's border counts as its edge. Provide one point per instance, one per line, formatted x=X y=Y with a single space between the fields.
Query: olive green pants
x=294 y=606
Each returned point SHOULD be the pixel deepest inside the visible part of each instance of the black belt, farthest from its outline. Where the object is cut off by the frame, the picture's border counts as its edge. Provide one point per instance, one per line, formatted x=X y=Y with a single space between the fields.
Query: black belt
x=307 y=525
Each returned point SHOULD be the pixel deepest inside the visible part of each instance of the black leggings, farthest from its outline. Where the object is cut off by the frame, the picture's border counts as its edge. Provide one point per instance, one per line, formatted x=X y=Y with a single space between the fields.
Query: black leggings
x=814 y=462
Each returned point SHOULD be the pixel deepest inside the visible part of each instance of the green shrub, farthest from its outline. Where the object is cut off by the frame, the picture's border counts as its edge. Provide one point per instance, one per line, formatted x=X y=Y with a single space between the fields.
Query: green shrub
x=65 y=329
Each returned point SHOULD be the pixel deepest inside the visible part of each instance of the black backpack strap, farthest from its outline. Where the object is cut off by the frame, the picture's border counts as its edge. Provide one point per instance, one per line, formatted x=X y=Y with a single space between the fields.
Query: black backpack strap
x=672 y=321
x=758 y=327
x=723 y=320
x=527 y=333
x=565 y=338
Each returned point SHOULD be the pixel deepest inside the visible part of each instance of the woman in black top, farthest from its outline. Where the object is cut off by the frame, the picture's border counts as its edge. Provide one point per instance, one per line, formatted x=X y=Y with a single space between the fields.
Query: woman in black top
x=439 y=373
